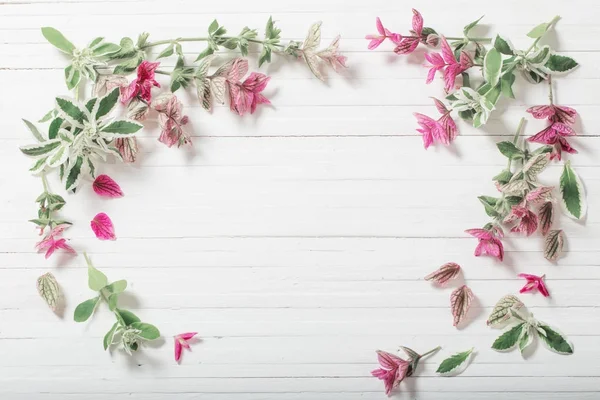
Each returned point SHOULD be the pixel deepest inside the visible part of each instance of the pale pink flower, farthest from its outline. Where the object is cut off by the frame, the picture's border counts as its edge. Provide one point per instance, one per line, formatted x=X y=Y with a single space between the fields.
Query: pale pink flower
x=555 y=135
x=489 y=242
x=408 y=44
x=142 y=85
x=245 y=96
x=527 y=220
x=51 y=242
x=384 y=33
x=181 y=342
x=393 y=370
x=332 y=56
x=554 y=113
x=447 y=63
x=171 y=121
x=105 y=186
x=542 y=193
x=534 y=282
x=103 y=227
x=442 y=130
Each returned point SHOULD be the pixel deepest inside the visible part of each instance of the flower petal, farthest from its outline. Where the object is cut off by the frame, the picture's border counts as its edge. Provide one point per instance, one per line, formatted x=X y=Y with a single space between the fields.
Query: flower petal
x=105 y=186
x=178 y=349
x=417 y=22
x=103 y=227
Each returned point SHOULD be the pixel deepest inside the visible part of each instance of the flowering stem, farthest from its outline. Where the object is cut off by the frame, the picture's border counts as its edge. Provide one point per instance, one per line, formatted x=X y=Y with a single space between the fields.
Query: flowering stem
x=201 y=39
x=430 y=352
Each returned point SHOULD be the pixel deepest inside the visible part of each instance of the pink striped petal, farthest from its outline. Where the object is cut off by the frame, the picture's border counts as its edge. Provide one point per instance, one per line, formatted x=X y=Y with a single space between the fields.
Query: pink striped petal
x=103 y=227
x=105 y=186
x=178 y=349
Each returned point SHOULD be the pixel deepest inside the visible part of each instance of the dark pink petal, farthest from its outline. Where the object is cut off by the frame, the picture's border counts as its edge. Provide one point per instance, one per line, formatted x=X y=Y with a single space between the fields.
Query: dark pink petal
x=441 y=107
x=447 y=52
x=379 y=26
x=541 y=112
x=542 y=287
x=564 y=114
x=394 y=37
x=546 y=136
x=389 y=360
x=375 y=42
x=406 y=46
x=178 y=349
x=534 y=282
x=104 y=185
x=564 y=145
x=479 y=233
x=188 y=335
x=563 y=129
x=103 y=227
x=449 y=127
x=417 y=22
x=465 y=60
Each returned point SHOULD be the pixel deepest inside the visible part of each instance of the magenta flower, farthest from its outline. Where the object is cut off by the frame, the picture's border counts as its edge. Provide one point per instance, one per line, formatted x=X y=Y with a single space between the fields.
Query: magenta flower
x=534 y=282
x=560 y=118
x=171 y=120
x=384 y=33
x=447 y=63
x=442 y=130
x=50 y=243
x=489 y=242
x=554 y=113
x=181 y=341
x=142 y=85
x=247 y=96
x=393 y=370
x=105 y=186
x=527 y=220
x=408 y=44
x=103 y=227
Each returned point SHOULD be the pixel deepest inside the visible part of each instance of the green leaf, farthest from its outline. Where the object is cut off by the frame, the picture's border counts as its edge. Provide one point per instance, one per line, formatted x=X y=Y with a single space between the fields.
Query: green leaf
x=74 y=174
x=106 y=49
x=107 y=103
x=126 y=67
x=72 y=77
x=49 y=290
x=526 y=339
x=539 y=30
x=557 y=63
x=96 y=279
x=506 y=82
x=455 y=364
x=71 y=109
x=508 y=339
x=489 y=203
x=503 y=177
x=122 y=128
x=34 y=131
x=573 y=199
x=503 y=46
x=509 y=150
x=148 y=331
x=212 y=28
x=47 y=117
x=117 y=286
x=108 y=338
x=126 y=50
x=54 y=127
x=39 y=149
x=206 y=52
x=492 y=64
x=59 y=157
x=127 y=317
x=167 y=52
x=554 y=340
x=470 y=26
x=58 y=40
x=501 y=311
x=84 y=310
x=90 y=104
x=540 y=56
x=112 y=301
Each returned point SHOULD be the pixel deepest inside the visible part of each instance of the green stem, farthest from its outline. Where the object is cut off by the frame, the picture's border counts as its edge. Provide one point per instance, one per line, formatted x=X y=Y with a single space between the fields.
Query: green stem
x=431 y=351
x=45 y=183
x=201 y=39
x=87 y=259
x=516 y=139
x=550 y=94
x=158 y=71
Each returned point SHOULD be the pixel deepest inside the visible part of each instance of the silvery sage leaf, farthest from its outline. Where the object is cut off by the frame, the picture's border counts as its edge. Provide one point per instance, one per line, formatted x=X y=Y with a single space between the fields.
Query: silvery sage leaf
x=84 y=310
x=34 y=131
x=455 y=364
x=492 y=65
x=96 y=279
x=109 y=337
x=573 y=199
x=553 y=245
x=460 y=302
x=58 y=40
x=501 y=312
x=49 y=290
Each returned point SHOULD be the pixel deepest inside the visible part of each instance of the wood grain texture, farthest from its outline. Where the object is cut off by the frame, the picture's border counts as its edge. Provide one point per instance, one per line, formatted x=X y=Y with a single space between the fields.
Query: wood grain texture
x=295 y=241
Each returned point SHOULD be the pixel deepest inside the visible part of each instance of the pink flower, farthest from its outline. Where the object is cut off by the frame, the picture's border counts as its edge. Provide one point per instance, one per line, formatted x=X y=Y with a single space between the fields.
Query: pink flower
x=247 y=96
x=408 y=44
x=527 y=220
x=127 y=148
x=171 y=120
x=489 y=242
x=384 y=33
x=560 y=118
x=554 y=113
x=393 y=370
x=448 y=63
x=332 y=55
x=51 y=243
x=105 y=186
x=443 y=130
x=142 y=85
x=181 y=341
x=103 y=227
x=534 y=282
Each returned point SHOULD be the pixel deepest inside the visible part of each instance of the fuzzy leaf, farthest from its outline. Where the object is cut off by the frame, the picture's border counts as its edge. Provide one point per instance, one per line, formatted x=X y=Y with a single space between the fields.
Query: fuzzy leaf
x=526 y=339
x=561 y=64
x=34 y=131
x=58 y=40
x=127 y=317
x=444 y=274
x=535 y=165
x=49 y=290
x=503 y=46
x=96 y=279
x=492 y=65
x=509 y=150
x=546 y=217
x=489 y=204
x=108 y=338
x=501 y=311
x=539 y=30
x=117 y=286
x=148 y=331
x=573 y=199
x=509 y=339
x=84 y=310
x=553 y=245
x=122 y=128
x=554 y=340
x=460 y=302
x=72 y=77
x=455 y=364
x=36 y=150
x=470 y=26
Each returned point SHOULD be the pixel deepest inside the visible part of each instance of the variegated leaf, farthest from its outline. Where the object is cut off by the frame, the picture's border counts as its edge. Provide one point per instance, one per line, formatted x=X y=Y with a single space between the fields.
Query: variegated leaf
x=535 y=165
x=313 y=39
x=71 y=111
x=501 y=311
x=553 y=244
x=555 y=340
x=526 y=338
x=444 y=274
x=515 y=187
x=509 y=339
x=455 y=364
x=219 y=88
x=49 y=290
x=573 y=199
x=313 y=64
x=546 y=217
x=460 y=302
x=40 y=149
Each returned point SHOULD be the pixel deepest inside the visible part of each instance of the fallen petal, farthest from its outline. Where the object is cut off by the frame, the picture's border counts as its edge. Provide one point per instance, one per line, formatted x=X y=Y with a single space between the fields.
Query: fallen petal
x=105 y=186
x=103 y=227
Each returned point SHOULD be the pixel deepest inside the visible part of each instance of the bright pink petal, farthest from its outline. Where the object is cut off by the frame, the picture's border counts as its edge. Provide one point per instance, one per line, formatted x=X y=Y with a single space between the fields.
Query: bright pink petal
x=103 y=227
x=389 y=360
x=447 y=52
x=417 y=22
x=374 y=43
x=564 y=114
x=441 y=107
x=406 y=46
x=563 y=129
x=379 y=26
x=188 y=335
x=178 y=349
x=546 y=136
x=541 y=112
x=529 y=286
x=542 y=287
x=479 y=233
x=129 y=92
x=62 y=244
x=105 y=186
x=449 y=127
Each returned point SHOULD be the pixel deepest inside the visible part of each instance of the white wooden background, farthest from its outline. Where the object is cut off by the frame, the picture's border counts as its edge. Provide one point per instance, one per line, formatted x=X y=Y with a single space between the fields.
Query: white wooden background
x=294 y=240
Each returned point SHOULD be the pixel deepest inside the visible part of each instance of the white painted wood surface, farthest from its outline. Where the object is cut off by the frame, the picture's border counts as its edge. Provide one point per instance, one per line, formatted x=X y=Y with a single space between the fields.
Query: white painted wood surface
x=295 y=240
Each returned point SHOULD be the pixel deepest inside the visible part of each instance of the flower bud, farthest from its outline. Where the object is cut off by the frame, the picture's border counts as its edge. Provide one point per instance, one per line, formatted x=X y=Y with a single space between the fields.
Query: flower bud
x=432 y=40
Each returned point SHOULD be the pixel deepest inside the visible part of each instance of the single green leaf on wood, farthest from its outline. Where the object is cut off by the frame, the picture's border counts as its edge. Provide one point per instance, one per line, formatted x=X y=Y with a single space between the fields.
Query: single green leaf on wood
x=147 y=331
x=167 y=51
x=492 y=65
x=539 y=30
x=117 y=286
x=49 y=290
x=96 y=279
x=112 y=301
x=455 y=364
x=108 y=338
x=554 y=340
x=84 y=310
x=509 y=339
x=122 y=128
x=58 y=40
x=560 y=64
x=573 y=199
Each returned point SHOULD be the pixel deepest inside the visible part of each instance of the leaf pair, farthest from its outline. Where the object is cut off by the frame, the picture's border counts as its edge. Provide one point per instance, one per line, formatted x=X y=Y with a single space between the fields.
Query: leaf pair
x=129 y=324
